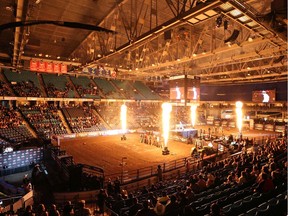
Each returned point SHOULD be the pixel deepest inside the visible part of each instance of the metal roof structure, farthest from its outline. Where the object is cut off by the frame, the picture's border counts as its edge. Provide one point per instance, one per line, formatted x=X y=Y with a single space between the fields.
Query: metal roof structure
x=221 y=41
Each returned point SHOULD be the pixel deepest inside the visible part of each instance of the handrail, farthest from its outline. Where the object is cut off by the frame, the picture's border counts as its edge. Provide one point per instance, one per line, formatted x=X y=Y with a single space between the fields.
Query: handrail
x=151 y=171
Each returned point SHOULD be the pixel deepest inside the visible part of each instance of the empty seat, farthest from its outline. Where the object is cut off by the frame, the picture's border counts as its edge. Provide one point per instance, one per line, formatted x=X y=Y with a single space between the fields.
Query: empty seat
x=263 y=206
x=227 y=208
x=263 y=210
x=204 y=209
x=237 y=207
x=273 y=202
x=251 y=212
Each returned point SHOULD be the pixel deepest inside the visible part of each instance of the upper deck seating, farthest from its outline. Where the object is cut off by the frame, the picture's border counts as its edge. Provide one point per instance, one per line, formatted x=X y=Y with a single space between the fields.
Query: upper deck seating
x=145 y=91
x=58 y=86
x=85 y=87
x=25 y=84
x=108 y=89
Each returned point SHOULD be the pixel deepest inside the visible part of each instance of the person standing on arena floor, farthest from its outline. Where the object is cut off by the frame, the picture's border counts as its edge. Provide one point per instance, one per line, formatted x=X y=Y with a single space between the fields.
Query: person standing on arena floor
x=117 y=185
x=102 y=196
x=187 y=165
x=159 y=173
x=110 y=187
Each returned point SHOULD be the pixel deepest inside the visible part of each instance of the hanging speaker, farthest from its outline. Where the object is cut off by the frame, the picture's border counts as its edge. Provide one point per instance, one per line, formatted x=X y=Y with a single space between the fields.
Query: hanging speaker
x=278 y=59
x=167 y=35
x=233 y=37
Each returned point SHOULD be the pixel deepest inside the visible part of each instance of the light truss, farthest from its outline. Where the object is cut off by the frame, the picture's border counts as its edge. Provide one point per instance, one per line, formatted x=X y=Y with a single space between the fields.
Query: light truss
x=195 y=45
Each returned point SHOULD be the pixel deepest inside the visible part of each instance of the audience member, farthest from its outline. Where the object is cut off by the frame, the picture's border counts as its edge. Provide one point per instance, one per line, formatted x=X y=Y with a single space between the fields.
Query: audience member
x=68 y=209
x=82 y=210
x=41 y=210
x=28 y=211
x=53 y=211
x=265 y=183
x=102 y=196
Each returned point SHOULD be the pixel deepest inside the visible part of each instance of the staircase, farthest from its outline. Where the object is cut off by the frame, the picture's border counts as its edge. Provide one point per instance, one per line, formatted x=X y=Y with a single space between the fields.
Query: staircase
x=42 y=85
x=139 y=92
x=117 y=89
x=98 y=89
x=102 y=120
x=63 y=120
x=34 y=134
x=73 y=86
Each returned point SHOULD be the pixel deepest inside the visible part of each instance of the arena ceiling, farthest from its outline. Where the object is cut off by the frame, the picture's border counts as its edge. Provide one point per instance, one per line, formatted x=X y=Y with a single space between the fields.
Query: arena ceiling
x=220 y=41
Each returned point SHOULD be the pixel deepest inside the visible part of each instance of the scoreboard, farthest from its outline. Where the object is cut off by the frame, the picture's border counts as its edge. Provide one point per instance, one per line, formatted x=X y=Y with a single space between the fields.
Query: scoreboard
x=184 y=88
x=264 y=96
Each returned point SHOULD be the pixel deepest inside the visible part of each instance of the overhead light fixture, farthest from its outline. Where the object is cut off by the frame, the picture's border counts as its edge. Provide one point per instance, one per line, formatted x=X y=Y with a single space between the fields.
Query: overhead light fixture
x=9 y=8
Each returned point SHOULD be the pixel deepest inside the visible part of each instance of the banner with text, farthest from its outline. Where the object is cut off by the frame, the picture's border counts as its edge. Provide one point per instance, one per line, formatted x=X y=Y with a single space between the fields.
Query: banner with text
x=50 y=67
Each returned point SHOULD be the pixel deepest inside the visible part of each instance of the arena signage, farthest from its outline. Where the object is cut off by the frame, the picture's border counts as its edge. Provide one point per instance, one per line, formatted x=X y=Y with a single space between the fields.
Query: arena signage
x=50 y=67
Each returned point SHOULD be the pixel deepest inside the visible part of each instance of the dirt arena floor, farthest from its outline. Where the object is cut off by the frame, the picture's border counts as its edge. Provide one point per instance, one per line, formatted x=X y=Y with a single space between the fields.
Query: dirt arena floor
x=108 y=151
